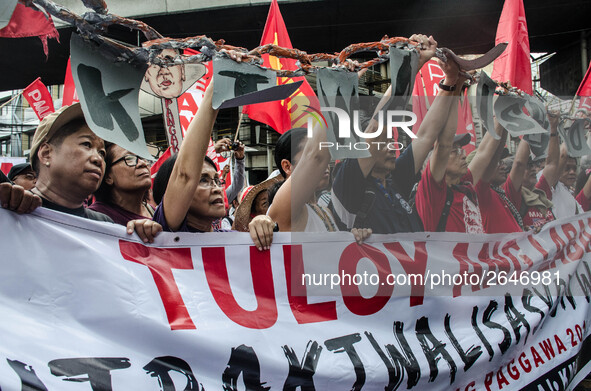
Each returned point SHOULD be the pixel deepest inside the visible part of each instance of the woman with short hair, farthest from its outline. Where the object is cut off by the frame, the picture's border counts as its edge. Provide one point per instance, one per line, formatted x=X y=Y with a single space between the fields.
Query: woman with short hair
x=188 y=189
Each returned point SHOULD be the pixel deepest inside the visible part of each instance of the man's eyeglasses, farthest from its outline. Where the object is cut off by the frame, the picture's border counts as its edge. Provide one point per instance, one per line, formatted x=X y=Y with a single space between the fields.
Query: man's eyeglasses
x=130 y=160
x=207 y=182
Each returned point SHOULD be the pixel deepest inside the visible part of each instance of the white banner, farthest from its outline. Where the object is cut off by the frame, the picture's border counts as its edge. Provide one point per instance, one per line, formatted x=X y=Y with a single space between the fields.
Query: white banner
x=86 y=307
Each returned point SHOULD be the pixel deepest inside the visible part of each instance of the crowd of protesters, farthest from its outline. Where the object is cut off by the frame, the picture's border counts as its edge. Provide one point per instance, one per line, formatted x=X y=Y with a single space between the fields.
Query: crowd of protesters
x=431 y=186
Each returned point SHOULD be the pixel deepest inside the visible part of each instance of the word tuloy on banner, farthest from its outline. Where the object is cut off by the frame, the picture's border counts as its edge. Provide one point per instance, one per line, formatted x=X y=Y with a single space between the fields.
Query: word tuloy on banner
x=210 y=312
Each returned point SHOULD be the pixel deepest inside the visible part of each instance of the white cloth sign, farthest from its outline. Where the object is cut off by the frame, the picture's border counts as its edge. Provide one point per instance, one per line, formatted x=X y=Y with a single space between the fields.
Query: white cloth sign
x=82 y=302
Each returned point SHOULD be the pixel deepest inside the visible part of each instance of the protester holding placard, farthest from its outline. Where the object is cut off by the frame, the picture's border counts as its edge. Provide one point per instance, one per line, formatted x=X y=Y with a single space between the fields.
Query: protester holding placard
x=23 y=175
x=446 y=199
x=188 y=188
x=374 y=192
x=499 y=215
x=238 y=172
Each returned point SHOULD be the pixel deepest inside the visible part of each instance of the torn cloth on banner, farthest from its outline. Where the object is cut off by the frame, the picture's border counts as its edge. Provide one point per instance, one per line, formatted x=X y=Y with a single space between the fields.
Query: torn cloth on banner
x=83 y=302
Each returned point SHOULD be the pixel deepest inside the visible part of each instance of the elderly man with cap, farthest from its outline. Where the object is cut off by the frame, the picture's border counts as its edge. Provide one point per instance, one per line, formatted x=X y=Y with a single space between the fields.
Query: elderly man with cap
x=499 y=215
x=70 y=161
x=23 y=175
x=532 y=196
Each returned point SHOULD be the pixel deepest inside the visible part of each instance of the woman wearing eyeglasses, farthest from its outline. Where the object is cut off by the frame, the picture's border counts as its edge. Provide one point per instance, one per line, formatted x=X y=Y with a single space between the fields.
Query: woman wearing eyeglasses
x=122 y=193
x=188 y=187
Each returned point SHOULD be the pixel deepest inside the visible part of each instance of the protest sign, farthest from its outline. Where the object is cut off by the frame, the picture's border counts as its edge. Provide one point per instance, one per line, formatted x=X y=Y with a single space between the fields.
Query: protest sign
x=509 y=112
x=404 y=65
x=169 y=83
x=210 y=312
x=575 y=138
x=338 y=92
x=485 y=92
x=108 y=94
x=239 y=84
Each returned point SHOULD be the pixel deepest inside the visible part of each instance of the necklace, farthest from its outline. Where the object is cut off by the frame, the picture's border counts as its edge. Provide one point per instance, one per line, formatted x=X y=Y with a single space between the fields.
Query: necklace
x=38 y=192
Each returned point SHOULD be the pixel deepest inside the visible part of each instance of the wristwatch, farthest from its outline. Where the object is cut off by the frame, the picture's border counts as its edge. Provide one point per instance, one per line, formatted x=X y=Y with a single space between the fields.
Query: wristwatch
x=446 y=87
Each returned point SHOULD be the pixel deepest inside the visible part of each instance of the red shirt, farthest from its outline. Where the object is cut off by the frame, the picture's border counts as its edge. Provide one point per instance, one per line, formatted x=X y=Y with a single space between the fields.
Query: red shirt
x=464 y=214
x=496 y=215
x=533 y=215
x=583 y=201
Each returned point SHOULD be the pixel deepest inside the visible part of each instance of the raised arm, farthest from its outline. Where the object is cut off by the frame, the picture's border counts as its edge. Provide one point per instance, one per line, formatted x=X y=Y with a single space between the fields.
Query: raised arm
x=519 y=164
x=186 y=173
x=366 y=164
x=563 y=159
x=485 y=155
x=552 y=170
x=426 y=52
x=288 y=205
x=444 y=144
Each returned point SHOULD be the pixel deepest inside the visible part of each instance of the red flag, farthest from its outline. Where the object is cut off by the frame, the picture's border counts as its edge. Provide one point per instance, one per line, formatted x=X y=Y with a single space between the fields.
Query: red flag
x=39 y=98
x=28 y=22
x=514 y=64
x=426 y=89
x=585 y=87
x=69 y=96
x=5 y=167
x=292 y=112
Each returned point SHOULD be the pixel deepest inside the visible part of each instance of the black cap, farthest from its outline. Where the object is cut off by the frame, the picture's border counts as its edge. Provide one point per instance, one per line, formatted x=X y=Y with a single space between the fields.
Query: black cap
x=18 y=169
x=462 y=139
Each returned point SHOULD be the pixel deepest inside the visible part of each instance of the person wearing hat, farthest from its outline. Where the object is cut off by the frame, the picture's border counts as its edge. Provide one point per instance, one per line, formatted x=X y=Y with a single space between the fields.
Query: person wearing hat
x=499 y=215
x=533 y=197
x=23 y=175
x=254 y=201
x=70 y=162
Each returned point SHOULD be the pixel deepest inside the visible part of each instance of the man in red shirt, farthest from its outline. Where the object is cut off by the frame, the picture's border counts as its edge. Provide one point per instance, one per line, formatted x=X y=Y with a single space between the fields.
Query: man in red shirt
x=498 y=212
x=446 y=199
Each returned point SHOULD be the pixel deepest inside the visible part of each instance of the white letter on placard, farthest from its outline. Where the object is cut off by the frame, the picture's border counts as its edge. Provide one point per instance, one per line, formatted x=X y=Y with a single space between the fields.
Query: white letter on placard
x=404 y=125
